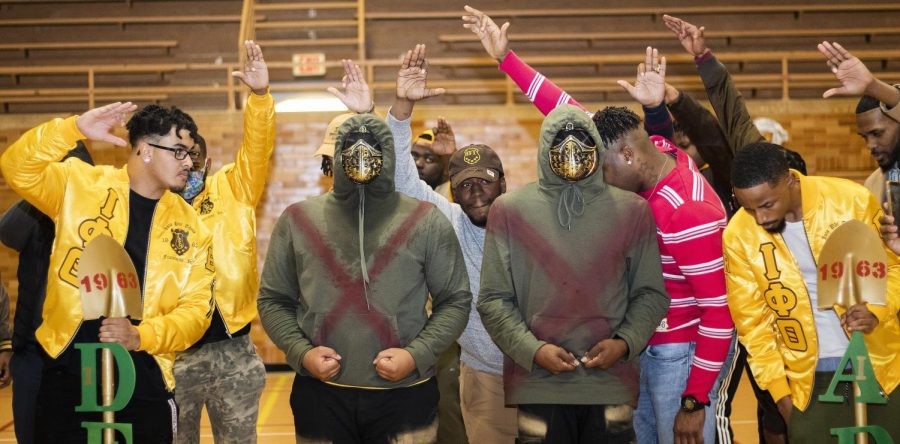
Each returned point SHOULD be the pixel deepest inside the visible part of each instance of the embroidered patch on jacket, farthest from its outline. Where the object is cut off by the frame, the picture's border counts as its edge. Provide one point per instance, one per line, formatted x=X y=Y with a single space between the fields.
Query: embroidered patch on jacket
x=206 y=206
x=179 y=241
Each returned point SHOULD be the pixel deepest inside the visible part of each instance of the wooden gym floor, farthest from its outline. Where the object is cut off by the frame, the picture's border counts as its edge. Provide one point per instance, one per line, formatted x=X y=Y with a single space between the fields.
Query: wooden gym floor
x=276 y=424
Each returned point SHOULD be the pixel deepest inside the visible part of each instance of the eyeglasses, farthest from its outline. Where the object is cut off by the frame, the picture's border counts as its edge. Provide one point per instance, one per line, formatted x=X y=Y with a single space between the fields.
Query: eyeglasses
x=180 y=153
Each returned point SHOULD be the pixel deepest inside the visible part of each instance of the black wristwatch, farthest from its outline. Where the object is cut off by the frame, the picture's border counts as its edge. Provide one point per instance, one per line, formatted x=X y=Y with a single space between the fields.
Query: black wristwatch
x=689 y=404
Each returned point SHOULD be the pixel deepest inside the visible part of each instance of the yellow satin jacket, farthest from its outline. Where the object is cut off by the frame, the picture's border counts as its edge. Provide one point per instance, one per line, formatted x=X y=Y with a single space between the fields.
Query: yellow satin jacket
x=85 y=201
x=768 y=298
x=227 y=207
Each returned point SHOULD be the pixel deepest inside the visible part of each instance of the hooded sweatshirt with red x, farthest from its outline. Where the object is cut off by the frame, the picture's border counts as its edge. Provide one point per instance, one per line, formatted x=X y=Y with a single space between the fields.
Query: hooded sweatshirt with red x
x=313 y=288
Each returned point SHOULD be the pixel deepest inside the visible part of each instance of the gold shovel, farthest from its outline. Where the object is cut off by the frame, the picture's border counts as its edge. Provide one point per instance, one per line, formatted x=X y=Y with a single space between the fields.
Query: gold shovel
x=109 y=288
x=852 y=270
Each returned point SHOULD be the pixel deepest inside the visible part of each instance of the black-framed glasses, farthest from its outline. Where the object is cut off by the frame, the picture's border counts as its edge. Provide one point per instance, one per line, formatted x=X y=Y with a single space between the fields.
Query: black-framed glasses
x=180 y=153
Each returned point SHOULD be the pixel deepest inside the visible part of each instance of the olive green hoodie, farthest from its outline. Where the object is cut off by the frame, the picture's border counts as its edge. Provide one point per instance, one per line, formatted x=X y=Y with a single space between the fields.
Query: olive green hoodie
x=570 y=263
x=313 y=288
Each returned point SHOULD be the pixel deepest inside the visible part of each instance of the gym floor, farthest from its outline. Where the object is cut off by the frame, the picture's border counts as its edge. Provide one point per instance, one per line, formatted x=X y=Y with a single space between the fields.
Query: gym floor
x=276 y=424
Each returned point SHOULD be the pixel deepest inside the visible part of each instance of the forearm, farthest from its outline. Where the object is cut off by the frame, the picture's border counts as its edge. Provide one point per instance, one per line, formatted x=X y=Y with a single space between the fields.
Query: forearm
x=278 y=315
x=402 y=108
x=657 y=121
x=30 y=164
x=448 y=319
x=728 y=103
x=541 y=91
x=406 y=176
x=884 y=93
x=248 y=178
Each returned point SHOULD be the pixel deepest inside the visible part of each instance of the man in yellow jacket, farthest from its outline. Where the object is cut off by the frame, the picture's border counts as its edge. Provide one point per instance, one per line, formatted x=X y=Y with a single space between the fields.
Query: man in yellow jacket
x=163 y=236
x=222 y=370
x=771 y=249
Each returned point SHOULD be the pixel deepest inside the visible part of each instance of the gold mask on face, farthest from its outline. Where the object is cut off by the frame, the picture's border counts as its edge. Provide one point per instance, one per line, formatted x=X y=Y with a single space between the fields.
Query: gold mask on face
x=361 y=161
x=572 y=159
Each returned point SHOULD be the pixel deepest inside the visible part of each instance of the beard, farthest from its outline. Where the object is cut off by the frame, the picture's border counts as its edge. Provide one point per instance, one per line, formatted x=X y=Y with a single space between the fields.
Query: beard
x=892 y=161
x=777 y=228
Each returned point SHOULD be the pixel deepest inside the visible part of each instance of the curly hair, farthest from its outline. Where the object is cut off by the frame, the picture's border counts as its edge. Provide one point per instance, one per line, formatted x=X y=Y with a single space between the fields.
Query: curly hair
x=758 y=163
x=614 y=121
x=154 y=120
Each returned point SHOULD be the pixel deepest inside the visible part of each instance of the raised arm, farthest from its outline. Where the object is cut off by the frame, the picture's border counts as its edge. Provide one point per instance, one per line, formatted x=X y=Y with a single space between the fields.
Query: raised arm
x=700 y=125
x=726 y=100
x=541 y=91
x=247 y=179
x=31 y=167
x=857 y=80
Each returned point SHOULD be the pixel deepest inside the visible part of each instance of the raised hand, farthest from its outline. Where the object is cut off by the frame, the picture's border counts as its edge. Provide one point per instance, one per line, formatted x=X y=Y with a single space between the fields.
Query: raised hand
x=255 y=73
x=411 y=80
x=98 y=123
x=855 y=78
x=690 y=36
x=492 y=37
x=650 y=85
x=444 y=141
x=356 y=95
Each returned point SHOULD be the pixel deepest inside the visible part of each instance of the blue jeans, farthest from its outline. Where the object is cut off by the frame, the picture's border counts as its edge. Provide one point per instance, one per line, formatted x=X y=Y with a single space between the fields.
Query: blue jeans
x=664 y=373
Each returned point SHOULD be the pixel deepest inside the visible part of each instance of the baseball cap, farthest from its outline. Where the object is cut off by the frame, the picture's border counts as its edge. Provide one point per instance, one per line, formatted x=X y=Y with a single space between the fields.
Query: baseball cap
x=426 y=137
x=327 y=146
x=475 y=161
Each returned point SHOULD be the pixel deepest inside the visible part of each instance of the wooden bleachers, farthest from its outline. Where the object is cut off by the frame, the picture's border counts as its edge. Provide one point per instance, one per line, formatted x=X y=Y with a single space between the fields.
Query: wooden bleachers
x=26 y=47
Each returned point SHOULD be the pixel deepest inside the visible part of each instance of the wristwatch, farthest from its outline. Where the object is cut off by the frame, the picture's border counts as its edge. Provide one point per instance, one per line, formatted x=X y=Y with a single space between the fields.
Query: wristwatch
x=689 y=404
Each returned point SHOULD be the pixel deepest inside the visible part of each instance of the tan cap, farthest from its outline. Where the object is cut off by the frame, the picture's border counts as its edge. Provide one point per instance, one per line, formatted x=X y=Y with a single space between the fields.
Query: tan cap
x=327 y=146
x=475 y=161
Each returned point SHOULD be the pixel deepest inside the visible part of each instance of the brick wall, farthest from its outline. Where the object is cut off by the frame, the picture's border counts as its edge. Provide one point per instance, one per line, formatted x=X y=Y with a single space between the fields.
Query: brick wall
x=822 y=131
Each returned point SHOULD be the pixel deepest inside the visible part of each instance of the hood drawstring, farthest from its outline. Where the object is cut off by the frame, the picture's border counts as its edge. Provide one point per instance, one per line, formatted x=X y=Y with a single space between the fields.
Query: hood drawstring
x=362 y=253
x=571 y=203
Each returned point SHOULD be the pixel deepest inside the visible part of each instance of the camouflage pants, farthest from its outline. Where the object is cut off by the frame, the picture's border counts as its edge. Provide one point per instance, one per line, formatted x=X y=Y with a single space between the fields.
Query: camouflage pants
x=228 y=378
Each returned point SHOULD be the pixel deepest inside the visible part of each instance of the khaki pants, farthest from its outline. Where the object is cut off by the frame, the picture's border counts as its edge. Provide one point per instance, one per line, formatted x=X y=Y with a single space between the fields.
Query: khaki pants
x=487 y=418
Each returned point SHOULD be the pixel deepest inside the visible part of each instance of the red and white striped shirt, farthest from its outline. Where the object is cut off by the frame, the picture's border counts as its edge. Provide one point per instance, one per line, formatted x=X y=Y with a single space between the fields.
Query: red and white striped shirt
x=690 y=220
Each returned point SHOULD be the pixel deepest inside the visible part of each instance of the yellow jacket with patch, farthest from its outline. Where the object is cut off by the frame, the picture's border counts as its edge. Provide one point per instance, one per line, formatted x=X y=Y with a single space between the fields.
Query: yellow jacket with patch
x=227 y=207
x=769 y=301
x=85 y=201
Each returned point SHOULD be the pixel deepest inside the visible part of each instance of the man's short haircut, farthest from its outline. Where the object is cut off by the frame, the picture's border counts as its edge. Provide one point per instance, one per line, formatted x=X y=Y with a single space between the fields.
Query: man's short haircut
x=200 y=143
x=614 y=121
x=154 y=120
x=867 y=103
x=758 y=163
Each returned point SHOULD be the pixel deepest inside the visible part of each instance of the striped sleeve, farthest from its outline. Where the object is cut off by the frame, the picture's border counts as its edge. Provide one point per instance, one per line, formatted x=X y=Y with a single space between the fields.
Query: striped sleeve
x=693 y=238
x=540 y=90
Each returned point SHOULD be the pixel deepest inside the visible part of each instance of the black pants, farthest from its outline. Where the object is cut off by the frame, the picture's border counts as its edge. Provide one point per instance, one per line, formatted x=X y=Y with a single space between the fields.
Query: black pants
x=153 y=419
x=25 y=367
x=575 y=424
x=342 y=415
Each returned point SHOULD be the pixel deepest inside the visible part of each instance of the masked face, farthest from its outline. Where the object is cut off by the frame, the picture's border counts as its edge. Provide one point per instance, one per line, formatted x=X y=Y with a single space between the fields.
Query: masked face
x=196 y=181
x=574 y=158
x=361 y=160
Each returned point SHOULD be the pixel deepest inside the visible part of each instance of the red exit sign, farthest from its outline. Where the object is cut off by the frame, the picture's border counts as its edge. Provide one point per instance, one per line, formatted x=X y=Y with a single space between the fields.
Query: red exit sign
x=309 y=64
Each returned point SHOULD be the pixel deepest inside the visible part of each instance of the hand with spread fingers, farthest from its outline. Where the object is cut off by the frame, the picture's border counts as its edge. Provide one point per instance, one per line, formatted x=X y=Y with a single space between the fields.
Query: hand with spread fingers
x=98 y=123
x=411 y=80
x=255 y=73
x=855 y=78
x=690 y=36
x=356 y=95
x=493 y=38
x=649 y=87
x=444 y=141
